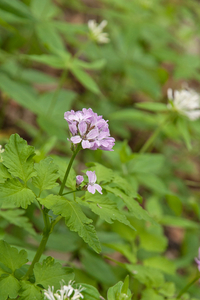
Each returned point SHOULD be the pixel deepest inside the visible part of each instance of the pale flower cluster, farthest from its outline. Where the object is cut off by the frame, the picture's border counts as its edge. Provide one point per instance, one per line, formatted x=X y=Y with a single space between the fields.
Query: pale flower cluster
x=185 y=102
x=96 y=32
x=1 y=151
x=65 y=293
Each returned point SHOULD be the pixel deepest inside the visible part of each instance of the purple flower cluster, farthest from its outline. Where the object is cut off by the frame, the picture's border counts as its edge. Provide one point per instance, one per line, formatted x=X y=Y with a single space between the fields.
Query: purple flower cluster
x=198 y=260
x=92 y=186
x=89 y=129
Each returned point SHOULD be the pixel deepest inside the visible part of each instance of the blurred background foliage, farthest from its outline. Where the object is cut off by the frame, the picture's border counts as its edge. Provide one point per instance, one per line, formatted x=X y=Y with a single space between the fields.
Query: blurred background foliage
x=48 y=65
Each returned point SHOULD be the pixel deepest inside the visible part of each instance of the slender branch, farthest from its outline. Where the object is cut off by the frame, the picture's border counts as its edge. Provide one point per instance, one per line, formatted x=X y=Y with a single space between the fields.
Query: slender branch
x=41 y=248
x=188 y=286
x=150 y=140
x=56 y=93
x=68 y=169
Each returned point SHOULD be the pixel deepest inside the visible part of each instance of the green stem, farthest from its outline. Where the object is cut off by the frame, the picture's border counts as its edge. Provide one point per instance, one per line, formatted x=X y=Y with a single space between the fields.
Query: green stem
x=188 y=286
x=68 y=169
x=38 y=254
x=56 y=93
x=71 y=192
x=41 y=248
x=148 y=143
x=48 y=228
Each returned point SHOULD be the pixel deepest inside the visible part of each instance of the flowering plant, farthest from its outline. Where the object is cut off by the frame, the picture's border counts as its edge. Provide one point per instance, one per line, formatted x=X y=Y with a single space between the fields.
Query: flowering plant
x=26 y=182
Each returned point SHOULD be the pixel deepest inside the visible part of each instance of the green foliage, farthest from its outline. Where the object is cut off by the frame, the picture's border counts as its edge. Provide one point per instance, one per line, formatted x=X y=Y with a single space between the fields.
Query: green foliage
x=51 y=273
x=14 y=192
x=29 y=292
x=16 y=217
x=10 y=256
x=75 y=219
x=147 y=220
x=17 y=158
x=47 y=175
x=120 y=291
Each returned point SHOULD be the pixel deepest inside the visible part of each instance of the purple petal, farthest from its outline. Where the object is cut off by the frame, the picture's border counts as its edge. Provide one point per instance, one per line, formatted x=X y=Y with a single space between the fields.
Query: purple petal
x=79 y=179
x=91 y=189
x=92 y=134
x=103 y=134
x=98 y=188
x=73 y=128
x=82 y=126
x=91 y=176
x=76 y=139
x=86 y=144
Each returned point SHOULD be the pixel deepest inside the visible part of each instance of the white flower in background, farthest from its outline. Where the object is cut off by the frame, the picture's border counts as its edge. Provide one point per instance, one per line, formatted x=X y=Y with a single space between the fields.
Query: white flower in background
x=96 y=31
x=1 y=151
x=65 y=293
x=186 y=102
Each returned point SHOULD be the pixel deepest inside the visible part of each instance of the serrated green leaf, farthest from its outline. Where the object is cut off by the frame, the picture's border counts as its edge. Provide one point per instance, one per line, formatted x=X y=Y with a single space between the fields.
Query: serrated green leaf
x=15 y=216
x=85 y=79
x=10 y=256
x=103 y=174
x=17 y=157
x=46 y=174
x=30 y=292
x=75 y=219
x=134 y=207
x=4 y=174
x=123 y=184
x=14 y=192
x=9 y=287
x=106 y=209
x=50 y=273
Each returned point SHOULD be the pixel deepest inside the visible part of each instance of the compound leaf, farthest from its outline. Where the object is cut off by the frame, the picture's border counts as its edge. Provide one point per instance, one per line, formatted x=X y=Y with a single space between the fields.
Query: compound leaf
x=106 y=209
x=10 y=256
x=51 y=273
x=14 y=192
x=134 y=207
x=30 y=292
x=17 y=158
x=75 y=219
x=15 y=216
x=46 y=174
x=9 y=287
